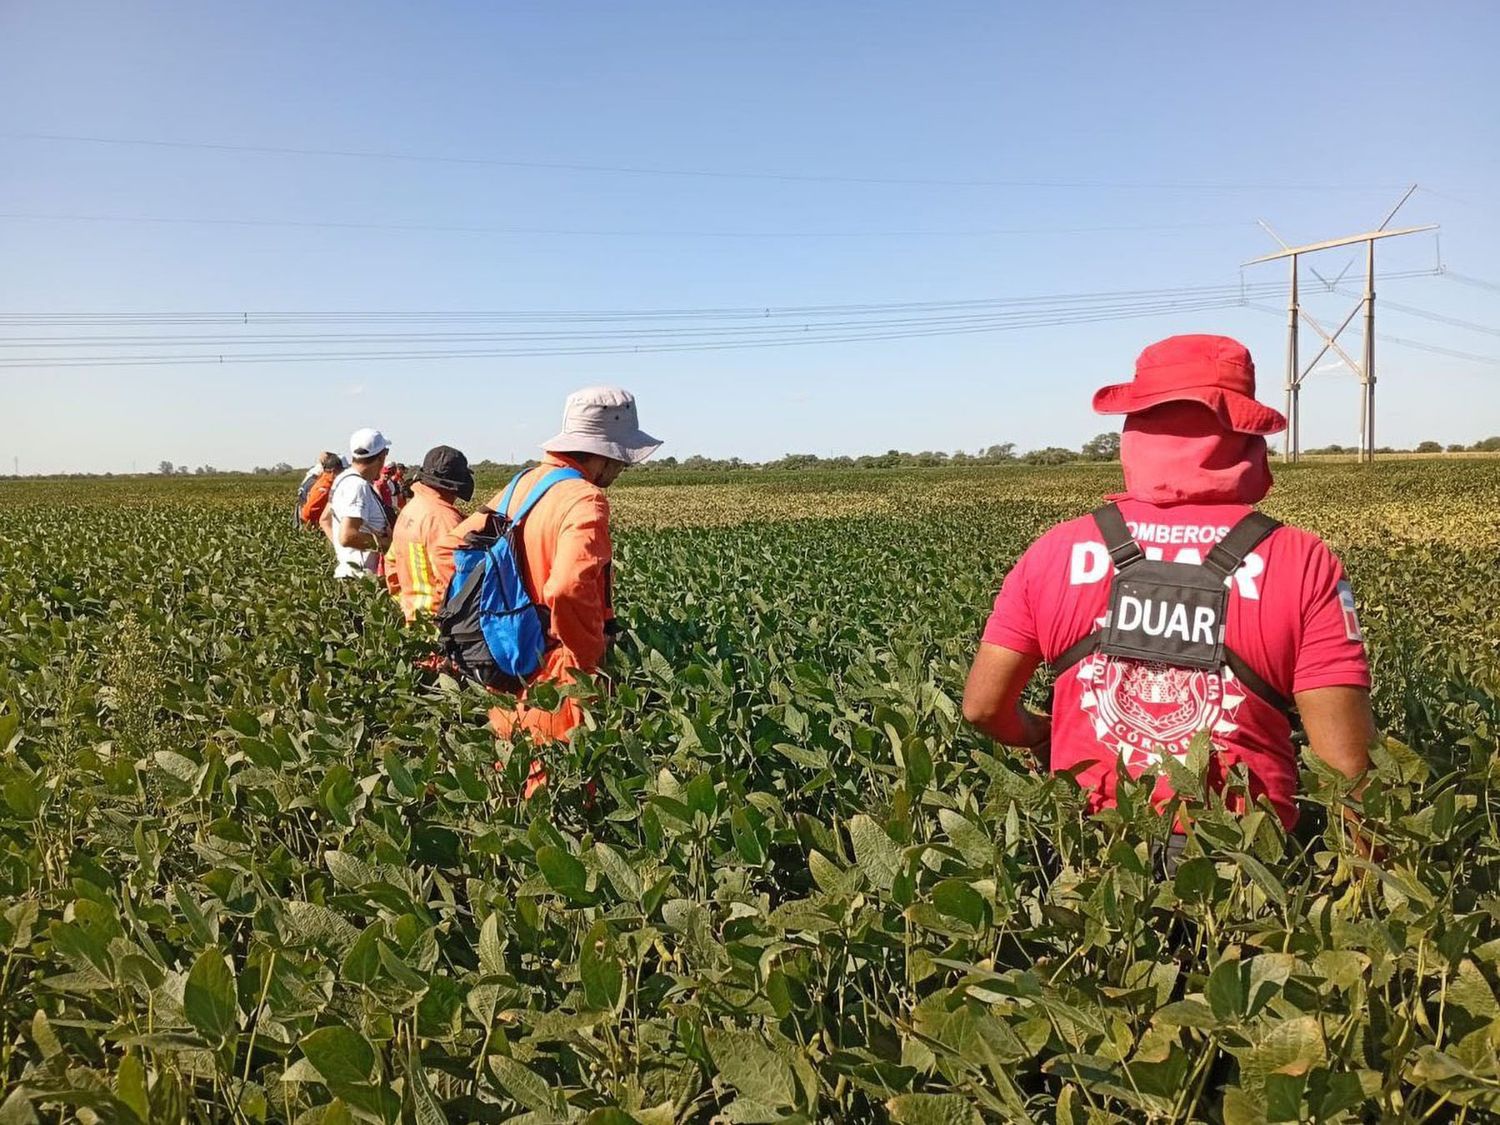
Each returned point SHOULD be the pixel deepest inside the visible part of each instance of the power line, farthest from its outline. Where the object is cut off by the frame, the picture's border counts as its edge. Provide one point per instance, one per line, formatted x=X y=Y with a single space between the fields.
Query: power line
x=1400 y=341
x=442 y=228
x=996 y=319
x=1437 y=349
x=1440 y=318
x=699 y=173
x=1474 y=282
x=706 y=341
x=77 y=318
x=573 y=333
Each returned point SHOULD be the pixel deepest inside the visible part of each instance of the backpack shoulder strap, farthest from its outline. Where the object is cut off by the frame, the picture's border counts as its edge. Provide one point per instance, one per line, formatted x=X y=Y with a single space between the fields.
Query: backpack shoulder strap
x=556 y=476
x=1228 y=554
x=1121 y=545
x=339 y=479
x=510 y=489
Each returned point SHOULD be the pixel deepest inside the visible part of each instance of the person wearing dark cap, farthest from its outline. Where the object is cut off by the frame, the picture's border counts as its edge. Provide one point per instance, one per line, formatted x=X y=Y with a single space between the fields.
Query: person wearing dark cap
x=419 y=564
x=1177 y=610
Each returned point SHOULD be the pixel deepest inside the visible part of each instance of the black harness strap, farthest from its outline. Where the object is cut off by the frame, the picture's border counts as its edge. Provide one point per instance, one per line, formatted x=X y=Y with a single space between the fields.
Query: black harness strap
x=1229 y=554
x=1075 y=652
x=1121 y=545
x=1254 y=681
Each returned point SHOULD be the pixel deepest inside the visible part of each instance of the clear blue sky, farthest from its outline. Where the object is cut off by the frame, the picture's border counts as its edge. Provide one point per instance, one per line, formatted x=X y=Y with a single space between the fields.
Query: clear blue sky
x=1359 y=98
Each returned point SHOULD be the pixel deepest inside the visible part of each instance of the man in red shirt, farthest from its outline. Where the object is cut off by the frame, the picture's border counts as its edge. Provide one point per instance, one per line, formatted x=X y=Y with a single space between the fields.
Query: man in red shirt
x=1142 y=669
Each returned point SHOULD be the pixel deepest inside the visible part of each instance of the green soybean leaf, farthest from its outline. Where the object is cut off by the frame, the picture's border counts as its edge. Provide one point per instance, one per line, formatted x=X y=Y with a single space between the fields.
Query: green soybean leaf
x=599 y=968
x=522 y=1083
x=622 y=877
x=745 y=840
x=563 y=872
x=1228 y=989
x=932 y=1109
x=340 y=1054
x=491 y=945
x=208 y=999
x=957 y=899
x=754 y=1069
x=426 y=1109
x=875 y=853
x=361 y=964
x=700 y=795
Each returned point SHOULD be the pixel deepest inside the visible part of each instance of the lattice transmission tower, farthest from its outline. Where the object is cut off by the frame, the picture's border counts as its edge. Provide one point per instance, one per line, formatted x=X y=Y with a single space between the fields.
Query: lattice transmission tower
x=1298 y=315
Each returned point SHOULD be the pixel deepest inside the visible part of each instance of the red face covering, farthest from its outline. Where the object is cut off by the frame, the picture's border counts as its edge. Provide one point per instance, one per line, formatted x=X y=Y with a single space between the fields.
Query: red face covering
x=1180 y=453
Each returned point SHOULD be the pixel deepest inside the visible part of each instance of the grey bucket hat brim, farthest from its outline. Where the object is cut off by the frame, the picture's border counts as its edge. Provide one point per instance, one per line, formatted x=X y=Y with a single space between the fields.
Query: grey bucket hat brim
x=632 y=448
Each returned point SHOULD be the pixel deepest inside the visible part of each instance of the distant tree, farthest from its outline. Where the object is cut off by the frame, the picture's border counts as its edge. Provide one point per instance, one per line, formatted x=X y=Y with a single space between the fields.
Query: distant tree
x=283 y=467
x=1005 y=451
x=205 y=470
x=1102 y=447
x=1457 y=447
x=1052 y=455
x=166 y=468
x=1487 y=445
x=183 y=470
x=1430 y=447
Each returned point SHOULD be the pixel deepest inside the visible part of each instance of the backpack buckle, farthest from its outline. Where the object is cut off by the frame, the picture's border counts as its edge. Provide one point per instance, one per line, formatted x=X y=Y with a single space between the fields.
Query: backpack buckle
x=1126 y=553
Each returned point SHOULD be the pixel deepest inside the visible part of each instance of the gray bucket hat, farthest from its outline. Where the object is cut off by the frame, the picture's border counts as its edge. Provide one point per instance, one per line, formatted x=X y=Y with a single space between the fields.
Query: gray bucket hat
x=603 y=420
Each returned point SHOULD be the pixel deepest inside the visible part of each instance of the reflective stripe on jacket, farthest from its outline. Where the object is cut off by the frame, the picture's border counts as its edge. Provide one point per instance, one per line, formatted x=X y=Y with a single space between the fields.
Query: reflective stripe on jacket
x=419 y=564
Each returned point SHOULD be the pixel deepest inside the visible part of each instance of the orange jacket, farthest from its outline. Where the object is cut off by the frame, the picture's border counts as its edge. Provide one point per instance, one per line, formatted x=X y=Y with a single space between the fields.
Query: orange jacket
x=317 y=499
x=566 y=553
x=419 y=565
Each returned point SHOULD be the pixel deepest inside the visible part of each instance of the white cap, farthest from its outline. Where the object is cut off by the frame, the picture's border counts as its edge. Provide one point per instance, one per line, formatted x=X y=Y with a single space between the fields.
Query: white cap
x=367 y=443
x=603 y=420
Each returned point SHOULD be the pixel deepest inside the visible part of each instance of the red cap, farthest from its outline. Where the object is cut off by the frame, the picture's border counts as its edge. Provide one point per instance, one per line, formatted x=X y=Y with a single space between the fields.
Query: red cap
x=1213 y=370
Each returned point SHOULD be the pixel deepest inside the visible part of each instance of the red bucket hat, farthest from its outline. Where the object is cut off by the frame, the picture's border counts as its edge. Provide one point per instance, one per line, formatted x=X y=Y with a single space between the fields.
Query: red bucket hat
x=1213 y=370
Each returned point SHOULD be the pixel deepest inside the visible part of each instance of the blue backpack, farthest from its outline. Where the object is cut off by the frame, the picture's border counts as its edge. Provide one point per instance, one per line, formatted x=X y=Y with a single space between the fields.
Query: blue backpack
x=491 y=626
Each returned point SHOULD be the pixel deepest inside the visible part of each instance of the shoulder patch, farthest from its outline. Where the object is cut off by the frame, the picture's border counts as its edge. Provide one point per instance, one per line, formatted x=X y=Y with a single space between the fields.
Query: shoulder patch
x=1352 y=629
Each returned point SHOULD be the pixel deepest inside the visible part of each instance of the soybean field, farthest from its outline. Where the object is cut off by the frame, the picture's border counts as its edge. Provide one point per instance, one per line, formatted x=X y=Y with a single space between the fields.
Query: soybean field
x=257 y=865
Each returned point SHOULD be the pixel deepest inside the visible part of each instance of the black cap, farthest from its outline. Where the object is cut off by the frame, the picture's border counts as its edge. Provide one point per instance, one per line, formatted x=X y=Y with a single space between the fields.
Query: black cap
x=447 y=468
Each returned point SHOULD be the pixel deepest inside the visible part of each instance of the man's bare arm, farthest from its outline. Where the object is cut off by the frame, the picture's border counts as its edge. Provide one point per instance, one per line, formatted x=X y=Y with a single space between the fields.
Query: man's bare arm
x=354 y=534
x=1340 y=731
x=992 y=697
x=1340 y=727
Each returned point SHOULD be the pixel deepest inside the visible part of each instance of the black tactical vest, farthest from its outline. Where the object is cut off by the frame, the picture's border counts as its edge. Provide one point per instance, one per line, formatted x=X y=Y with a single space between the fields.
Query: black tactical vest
x=1173 y=613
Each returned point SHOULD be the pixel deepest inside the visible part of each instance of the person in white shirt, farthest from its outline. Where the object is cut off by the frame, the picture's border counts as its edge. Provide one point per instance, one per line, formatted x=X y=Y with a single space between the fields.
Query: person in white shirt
x=355 y=520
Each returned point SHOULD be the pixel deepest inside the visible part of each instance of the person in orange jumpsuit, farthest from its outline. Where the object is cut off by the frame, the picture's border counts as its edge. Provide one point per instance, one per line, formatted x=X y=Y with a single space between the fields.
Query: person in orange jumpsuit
x=316 y=499
x=419 y=564
x=567 y=553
